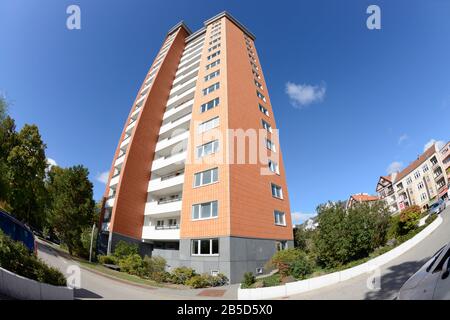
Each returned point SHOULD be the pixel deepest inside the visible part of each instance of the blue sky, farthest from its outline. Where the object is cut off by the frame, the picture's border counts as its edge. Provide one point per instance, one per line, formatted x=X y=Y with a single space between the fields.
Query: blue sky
x=376 y=97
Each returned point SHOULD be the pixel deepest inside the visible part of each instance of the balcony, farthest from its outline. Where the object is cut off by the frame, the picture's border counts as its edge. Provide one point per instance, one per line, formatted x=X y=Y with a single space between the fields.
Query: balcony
x=180 y=123
x=136 y=112
x=172 y=114
x=130 y=126
x=171 y=141
x=166 y=165
x=119 y=160
x=152 y=233
x=174 y=100
x=110 y=202
x=160 y=187
x=163 y=209
x=114 y=180
x=105 y=226
x=125 y=142
x=179 y=90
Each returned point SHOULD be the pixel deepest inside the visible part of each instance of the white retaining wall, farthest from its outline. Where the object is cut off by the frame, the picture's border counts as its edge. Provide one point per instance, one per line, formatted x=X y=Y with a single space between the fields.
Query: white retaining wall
x=336 y=277
x=18 y=287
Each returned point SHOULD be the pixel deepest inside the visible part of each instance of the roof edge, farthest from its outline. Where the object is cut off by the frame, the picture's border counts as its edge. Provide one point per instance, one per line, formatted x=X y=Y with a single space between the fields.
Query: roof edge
x=180 y=24
x=236 y=22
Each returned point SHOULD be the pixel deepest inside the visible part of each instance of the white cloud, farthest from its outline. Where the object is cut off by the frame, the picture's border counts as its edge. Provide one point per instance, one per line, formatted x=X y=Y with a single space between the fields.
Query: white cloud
x=102 y=177
x=299 y=217
x=51 y=163
x=440 y=144
x=304 y=94
x=394 y=167
x=403 y=138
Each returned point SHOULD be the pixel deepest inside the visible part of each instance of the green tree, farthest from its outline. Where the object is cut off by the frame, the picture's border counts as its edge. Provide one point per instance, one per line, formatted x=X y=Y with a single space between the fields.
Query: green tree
x=347 y=235
x=71 y=207
x=26 y=164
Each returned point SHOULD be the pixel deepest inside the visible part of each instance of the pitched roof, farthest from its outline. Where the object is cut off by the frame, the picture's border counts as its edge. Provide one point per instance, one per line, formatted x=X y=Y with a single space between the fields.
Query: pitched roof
x=413 y=165
x=364 y=197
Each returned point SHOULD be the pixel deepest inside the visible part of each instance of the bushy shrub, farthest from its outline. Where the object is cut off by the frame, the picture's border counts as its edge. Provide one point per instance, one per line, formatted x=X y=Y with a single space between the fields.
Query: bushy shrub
x=409 y=218
x=283 y=260
x=154 y=267
x=132 y=264
x=160 y=276
x=15 y=257
x=107 y=259
x=124 y=249
x=301 y=267
x=85 y=243
x=198 y=281
x=249 y=280
x=218 y=280
x=181 y=274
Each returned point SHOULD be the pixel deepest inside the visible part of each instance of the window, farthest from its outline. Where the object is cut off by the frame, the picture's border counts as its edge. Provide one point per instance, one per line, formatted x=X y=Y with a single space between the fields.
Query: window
x=209 y=105
x=420 y=186
x=215 y=54
x=266 y=126
x=281 y=245
x=280 y=219
x=270 y=145
x=423 y=196
x=206 y=177
x=207 y=210
x=408 y=180
x=273 y=166
x=276 y=191
x=425 y=168
x=263 y=110
x=159 y=224
x=205 y=247
x=260 y=96
x=208 y=125
x=214 y=47
x=212 y=75
x=212 y=88
x=433 y=161
x=259 y=85
x=256 y=74
x=416 y=175
x=213 y=64
x=214 y=41
x=208 y=148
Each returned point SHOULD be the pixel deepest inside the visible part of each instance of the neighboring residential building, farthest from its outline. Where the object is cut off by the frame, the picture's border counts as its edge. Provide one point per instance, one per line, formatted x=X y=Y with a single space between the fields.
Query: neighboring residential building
x=360 y=198
x=386 y=192
x=311 y=224
x=422 y=182
x=445 y=158
x=169 y=189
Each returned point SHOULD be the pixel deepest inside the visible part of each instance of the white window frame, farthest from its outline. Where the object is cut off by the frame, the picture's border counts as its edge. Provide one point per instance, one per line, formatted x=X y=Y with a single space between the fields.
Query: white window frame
x=270 y=145
x=278 y=189
x=211 y=88
x=274 y=167
x=200 y=246
x=263 y=109
x=208 y=125
x=202 y=173
x=266 y=125
x=214 y=148
x=199 y=205
x=279 y=214
x=212 y=75
x=214 y=103
x=261 y=96
x=213 y=64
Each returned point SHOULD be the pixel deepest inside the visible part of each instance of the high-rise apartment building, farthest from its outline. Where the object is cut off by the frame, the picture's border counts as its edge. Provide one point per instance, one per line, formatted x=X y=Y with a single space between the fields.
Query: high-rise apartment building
x=198 y=176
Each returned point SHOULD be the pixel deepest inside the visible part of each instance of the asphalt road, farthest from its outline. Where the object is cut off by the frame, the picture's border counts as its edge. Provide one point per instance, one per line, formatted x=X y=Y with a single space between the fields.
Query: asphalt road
x=95 y=286
x=393 y=274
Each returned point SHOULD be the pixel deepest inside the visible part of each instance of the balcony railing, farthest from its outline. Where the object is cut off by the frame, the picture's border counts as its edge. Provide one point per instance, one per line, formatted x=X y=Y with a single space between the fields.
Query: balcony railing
x=169 y=200
x=176 y=226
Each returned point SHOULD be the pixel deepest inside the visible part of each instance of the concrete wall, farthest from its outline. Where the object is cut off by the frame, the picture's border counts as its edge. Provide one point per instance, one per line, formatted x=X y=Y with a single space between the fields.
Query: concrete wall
x=18 y=287
x=144 y=248
x=236 y=256
x=336 y=277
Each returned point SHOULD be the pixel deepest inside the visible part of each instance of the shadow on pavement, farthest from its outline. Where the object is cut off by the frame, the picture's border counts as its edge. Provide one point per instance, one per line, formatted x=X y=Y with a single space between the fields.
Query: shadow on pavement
x=86 y=294
x=394 y=278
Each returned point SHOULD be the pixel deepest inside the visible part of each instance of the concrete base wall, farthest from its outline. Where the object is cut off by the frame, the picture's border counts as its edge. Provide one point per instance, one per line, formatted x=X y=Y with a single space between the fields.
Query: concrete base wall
x=18 y=287
x=145 y=249
x=236 y=256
